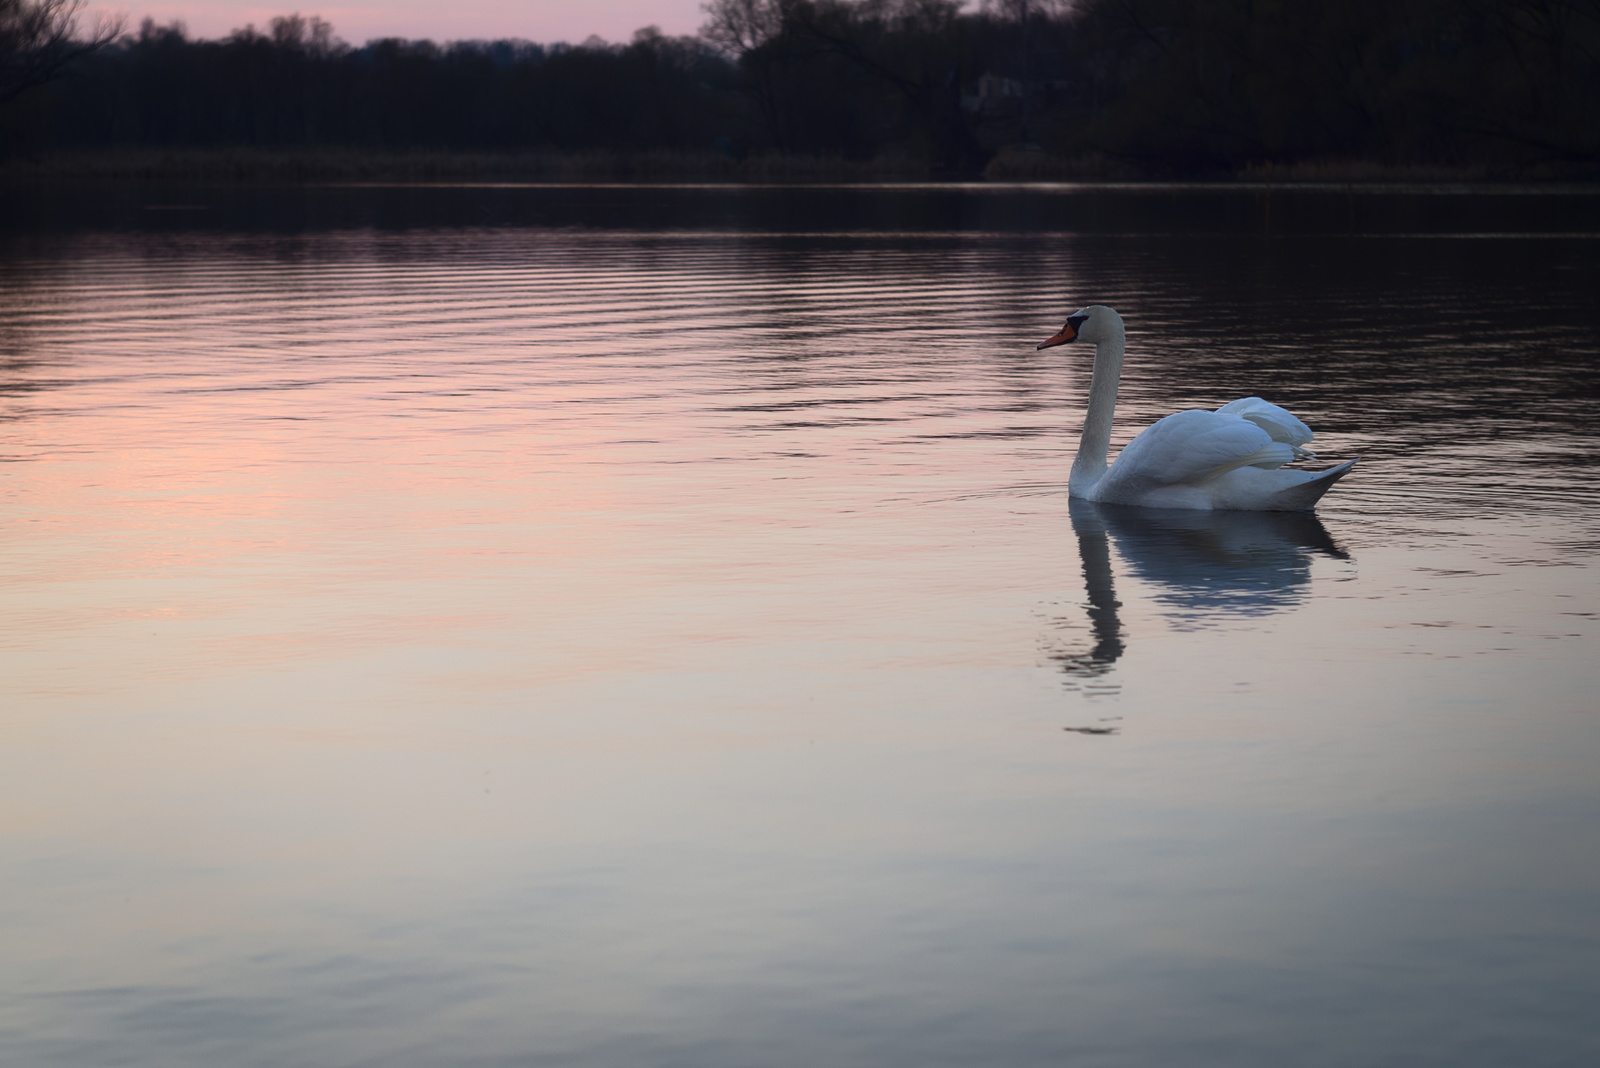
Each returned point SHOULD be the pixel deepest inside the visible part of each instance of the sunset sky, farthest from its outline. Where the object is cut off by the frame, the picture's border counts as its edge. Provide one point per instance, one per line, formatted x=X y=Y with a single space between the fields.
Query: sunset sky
x=534 y=20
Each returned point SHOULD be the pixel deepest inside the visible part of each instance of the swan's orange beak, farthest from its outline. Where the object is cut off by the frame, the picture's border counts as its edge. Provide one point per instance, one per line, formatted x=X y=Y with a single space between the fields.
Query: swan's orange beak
x=1068 y=333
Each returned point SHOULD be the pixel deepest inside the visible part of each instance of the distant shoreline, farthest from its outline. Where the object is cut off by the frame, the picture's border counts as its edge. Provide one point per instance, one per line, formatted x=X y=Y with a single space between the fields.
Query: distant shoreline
x=320 y=165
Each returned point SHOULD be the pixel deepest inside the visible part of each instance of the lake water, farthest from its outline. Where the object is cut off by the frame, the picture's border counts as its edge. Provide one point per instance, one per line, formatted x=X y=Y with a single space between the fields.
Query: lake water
x=610 y=627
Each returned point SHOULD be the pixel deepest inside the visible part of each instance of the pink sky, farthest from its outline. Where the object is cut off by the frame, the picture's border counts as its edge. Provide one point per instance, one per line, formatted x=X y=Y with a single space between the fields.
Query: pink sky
x=534 y=20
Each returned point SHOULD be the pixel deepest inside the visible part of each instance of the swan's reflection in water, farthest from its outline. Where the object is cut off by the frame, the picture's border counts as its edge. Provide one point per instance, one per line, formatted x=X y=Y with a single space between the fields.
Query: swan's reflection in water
x=1203 y=567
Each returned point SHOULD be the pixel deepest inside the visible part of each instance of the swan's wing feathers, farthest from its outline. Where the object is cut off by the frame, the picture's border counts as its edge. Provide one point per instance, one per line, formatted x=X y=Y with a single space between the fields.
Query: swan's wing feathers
x=1196 y=446
x=1282 y=424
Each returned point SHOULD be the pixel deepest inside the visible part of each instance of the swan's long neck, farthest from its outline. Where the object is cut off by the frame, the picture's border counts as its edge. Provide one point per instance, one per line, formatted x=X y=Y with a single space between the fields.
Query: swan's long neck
x=1096 y=440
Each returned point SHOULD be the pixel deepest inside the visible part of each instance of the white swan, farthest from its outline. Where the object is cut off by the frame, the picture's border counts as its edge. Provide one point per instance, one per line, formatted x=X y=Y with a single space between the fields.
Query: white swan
x=1231 y=458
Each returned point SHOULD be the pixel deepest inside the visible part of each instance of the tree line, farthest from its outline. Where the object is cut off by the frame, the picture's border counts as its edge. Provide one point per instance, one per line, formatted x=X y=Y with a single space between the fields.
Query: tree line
x=1146 y=87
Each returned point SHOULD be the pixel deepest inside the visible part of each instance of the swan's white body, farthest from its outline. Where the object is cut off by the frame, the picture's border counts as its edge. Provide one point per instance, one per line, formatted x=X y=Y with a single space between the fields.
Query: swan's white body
x=1232 y=458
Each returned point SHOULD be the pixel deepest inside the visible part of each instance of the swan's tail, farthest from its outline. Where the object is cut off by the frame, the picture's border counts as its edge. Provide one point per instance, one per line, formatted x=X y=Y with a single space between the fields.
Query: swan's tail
x=1304 y=496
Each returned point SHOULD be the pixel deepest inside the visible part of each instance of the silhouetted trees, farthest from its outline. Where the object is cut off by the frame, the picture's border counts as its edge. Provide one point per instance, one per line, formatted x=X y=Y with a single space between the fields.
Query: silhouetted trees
x=298 y=85
x=1223 y=83
x=38 y=40
x=849 y=77
x=1190 y=87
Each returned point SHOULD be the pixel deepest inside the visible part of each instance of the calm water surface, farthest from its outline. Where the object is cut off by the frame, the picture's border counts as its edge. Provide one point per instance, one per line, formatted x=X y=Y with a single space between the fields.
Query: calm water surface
x=648 y=627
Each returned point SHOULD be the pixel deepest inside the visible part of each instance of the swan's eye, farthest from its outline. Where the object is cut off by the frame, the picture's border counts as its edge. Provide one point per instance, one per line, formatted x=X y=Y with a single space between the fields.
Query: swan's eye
x=1076 y=322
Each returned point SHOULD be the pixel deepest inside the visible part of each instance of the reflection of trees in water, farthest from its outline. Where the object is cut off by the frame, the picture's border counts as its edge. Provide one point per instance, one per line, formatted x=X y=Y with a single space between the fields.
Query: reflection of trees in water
x=1204 y=568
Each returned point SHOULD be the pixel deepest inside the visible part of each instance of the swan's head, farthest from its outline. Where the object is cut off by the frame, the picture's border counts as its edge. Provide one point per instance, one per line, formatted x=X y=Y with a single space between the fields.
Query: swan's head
x=1093 y=324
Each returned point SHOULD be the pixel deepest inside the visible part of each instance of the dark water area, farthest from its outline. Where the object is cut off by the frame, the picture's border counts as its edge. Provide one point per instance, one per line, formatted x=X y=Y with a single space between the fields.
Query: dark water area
x=1177 y=208
x=598 y=626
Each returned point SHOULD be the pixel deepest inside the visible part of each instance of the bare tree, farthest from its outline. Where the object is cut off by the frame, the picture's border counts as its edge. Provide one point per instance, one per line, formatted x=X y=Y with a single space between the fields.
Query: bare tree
x=38 y=39
x=740 y=26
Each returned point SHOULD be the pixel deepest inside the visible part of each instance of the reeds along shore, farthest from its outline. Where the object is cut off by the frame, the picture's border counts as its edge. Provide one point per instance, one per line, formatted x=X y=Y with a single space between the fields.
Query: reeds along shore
x=280 y=166
x=294 y=165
